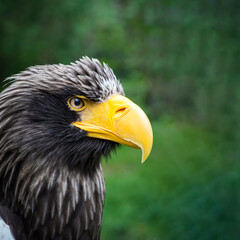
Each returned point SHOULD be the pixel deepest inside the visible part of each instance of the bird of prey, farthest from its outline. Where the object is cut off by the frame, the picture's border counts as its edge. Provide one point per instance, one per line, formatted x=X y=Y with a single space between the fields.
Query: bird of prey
x=56 y=122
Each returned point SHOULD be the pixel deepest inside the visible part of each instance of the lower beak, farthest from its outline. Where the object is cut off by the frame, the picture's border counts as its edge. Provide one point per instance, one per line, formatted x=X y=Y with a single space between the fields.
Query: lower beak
x=119 y=120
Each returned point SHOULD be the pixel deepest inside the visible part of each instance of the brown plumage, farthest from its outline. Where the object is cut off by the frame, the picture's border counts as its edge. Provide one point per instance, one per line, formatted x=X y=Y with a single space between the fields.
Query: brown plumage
x=51 y=180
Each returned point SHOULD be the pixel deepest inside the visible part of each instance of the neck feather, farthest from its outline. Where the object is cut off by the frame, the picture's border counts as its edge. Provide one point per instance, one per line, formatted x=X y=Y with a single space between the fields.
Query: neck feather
x=57 y=201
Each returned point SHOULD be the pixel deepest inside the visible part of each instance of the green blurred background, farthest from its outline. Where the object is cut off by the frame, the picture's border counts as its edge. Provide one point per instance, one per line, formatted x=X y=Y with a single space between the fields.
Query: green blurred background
x=178 y=60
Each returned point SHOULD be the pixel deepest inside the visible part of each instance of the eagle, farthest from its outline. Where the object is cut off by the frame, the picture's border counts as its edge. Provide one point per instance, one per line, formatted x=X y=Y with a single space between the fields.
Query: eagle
x=56 y=123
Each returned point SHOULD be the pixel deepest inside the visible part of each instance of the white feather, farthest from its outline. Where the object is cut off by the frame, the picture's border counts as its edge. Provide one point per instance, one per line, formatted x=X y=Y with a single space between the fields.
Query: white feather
x=5 y=232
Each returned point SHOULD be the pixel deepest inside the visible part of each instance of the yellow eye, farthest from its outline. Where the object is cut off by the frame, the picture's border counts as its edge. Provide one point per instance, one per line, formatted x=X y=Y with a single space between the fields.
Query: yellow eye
x=76 y=103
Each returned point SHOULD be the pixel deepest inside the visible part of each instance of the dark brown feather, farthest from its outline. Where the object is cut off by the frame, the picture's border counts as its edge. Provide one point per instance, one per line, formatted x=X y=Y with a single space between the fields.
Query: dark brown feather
x=51 y=180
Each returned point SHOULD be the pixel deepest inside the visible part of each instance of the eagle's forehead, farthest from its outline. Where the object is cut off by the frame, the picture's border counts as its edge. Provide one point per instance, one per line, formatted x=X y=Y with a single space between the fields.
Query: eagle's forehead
x=95 y=78
x=86 y=76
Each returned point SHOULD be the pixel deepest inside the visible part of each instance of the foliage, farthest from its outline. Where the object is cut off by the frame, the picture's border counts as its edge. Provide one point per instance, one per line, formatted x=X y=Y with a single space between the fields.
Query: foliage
x=186 y=190
x=178 y=60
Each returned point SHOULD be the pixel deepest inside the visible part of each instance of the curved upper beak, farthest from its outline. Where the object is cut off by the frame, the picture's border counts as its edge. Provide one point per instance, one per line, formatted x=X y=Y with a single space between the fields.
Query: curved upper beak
x=119 y=120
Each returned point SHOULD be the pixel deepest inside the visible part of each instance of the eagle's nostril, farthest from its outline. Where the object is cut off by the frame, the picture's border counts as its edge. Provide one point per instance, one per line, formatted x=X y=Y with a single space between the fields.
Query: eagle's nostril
x=120 y=111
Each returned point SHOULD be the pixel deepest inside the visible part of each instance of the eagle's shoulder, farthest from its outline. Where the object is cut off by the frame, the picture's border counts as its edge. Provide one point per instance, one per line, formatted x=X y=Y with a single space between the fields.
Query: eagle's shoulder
x=5 y=232
x=11 y=226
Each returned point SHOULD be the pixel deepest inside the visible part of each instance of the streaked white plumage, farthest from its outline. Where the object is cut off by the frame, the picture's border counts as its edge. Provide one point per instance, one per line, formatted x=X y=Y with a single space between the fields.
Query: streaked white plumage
x=5 y=233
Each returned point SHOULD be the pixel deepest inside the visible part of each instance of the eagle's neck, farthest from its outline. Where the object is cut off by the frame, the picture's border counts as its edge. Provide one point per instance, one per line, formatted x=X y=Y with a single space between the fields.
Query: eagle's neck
x=56 y=201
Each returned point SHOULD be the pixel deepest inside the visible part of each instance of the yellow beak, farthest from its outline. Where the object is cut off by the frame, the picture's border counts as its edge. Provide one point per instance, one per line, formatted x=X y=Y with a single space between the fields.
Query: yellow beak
x=119 y=120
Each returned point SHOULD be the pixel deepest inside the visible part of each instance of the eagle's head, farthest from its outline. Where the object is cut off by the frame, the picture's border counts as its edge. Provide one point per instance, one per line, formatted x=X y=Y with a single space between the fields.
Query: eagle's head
x=71 y=114
x=55 y=117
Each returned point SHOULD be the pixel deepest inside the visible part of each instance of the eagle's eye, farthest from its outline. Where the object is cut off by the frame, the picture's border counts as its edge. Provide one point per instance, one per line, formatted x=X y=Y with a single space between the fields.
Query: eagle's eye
x=76 y=103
